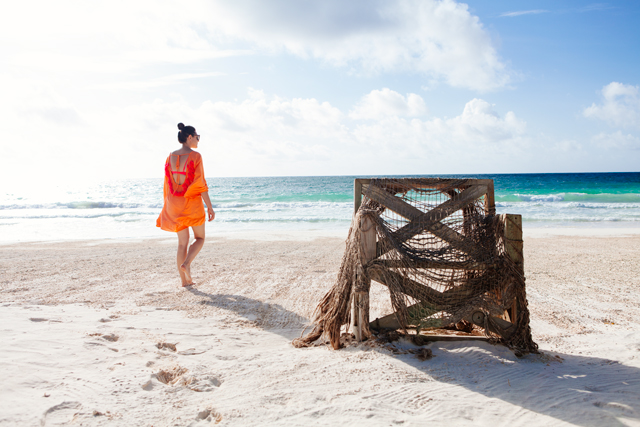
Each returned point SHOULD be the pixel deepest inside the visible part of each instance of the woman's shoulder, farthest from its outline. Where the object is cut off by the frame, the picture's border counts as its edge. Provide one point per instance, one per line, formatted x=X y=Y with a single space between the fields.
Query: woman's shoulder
x=194 y=155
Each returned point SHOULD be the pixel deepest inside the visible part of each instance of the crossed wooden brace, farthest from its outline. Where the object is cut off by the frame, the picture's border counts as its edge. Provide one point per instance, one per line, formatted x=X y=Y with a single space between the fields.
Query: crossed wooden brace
x=431 y=222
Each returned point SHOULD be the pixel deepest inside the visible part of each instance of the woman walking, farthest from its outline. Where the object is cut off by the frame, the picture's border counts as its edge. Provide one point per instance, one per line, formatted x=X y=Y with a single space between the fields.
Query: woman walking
x=184 y=190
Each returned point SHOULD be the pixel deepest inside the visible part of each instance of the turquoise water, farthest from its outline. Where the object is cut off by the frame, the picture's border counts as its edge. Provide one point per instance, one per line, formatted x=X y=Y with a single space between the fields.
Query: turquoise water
x=128 y=209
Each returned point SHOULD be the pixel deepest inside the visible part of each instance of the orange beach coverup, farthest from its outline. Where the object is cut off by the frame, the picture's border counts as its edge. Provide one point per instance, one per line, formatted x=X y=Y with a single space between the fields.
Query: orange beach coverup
x=183 y=206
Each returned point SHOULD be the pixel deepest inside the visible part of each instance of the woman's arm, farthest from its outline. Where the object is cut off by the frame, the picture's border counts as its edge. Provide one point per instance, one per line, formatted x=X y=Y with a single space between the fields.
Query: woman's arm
x=207 y=201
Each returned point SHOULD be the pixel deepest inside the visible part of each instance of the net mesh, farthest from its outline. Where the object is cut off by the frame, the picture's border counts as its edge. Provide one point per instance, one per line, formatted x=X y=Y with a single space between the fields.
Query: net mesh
x=442 y=256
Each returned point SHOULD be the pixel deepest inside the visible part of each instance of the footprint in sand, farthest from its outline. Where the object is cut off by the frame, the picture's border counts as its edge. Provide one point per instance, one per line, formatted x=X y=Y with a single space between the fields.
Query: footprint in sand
x=203 y=384
x=166 y=346
x=165 y=376
x=110 y=337
x=60 y=414
x=107 y=337
x=209 y=415
x=42 y=319
x=177 y=376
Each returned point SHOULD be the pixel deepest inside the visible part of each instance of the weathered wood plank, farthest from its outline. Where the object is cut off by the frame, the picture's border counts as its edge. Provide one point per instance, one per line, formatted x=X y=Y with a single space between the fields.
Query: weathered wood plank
x=440 y=337
x=424 y=293
x=426 y=263
x=440 y=212
x=392 y=202
x=514 y=249
x=490 y=200
x=368 y=239
x=513 y=238
x=428 y=221
x=451 y=236
x=416 y=290
x=360 y=319
x=403 y=184
x=357 y=195
x=496 y=325
x=428 y=183
x=390 y=321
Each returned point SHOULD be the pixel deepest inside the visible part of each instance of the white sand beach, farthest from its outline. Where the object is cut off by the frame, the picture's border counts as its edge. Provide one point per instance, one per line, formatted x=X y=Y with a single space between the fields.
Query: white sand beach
x=90 y=329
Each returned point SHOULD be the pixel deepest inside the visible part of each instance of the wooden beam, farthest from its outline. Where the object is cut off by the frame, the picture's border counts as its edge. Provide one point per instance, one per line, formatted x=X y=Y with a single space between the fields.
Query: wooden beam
x=390 y=321
x=404 y=184
x=490 y=200
x=442 y=211
x=513 y=238
x=514 y=249
x=496 y=325
x=392 y=202
x=425 y=293
x=437 y=300
x=368 y=239
x=416 y=290
x=427 y=263
x=360 y=298
x=429 y=221
x=455 y=239
x=357 y=195
x=441 y=337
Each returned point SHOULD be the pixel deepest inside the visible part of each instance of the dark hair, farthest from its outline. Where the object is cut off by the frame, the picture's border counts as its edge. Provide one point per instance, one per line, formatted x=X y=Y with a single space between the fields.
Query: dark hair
x=184 y=133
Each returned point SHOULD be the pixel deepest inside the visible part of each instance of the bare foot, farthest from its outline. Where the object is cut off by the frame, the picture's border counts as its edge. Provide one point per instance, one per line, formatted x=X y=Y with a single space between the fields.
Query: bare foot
x=186 y=269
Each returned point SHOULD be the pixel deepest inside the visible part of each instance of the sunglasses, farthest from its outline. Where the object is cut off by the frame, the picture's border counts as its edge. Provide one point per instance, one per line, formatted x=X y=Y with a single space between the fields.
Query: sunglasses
x=197 y=137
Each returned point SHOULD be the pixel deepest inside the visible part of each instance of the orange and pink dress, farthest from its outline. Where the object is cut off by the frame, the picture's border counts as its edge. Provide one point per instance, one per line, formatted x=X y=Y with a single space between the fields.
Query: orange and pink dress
x=183 y=206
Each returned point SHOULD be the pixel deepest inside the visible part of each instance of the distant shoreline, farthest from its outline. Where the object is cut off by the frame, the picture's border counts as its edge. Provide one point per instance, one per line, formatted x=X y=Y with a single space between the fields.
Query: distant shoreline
x=596 y=230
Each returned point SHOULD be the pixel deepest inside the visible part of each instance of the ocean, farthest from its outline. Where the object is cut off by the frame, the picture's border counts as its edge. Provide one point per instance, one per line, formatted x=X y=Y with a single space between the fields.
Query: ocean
x=128 y=209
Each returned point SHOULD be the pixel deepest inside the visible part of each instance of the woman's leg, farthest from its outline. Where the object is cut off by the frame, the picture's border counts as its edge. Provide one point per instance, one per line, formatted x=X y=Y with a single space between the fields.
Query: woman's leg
x=198 y=234
x=183 y=245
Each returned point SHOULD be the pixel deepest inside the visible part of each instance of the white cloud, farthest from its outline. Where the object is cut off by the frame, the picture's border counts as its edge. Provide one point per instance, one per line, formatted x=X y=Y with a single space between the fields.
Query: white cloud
x=259 y=135
x=439 y=39
x=617 y=141
x=305 y=136
x=523 y=12
x=476 y=132
x=620 y=107
x=105 y=37
x=479 y=122
x=379 y=104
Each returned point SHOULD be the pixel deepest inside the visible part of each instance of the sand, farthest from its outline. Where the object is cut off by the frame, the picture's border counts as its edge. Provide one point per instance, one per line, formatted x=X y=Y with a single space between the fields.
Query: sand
x=90 y=330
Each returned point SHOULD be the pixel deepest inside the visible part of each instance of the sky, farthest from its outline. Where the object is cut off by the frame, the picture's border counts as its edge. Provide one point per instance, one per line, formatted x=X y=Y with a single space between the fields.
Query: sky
x=94 y=90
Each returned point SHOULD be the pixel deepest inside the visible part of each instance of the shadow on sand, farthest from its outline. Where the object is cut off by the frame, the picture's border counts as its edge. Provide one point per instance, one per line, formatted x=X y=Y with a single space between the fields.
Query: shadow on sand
x=268 y=316
x=581 y=390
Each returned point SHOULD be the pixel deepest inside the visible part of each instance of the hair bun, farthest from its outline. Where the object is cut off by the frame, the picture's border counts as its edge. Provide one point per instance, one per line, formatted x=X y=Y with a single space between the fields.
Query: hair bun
x=180 y=126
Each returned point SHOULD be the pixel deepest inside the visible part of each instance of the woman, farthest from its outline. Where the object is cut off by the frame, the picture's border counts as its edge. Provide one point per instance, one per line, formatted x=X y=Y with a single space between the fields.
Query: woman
x=184 y=190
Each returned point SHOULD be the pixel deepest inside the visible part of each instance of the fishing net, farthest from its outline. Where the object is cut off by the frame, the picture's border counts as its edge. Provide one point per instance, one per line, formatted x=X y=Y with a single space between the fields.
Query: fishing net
x=442 y=254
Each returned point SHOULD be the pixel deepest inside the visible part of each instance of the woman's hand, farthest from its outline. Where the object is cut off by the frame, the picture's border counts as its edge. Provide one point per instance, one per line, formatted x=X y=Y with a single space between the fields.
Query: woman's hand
x=211 y=214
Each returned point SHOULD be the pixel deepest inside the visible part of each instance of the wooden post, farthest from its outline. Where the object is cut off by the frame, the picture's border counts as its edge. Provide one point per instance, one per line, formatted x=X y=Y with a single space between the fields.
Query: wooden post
x=490 y=200
x=354 y=318
x=360 y=301
x=357 y=195
x=513 y=247
x=357 y=201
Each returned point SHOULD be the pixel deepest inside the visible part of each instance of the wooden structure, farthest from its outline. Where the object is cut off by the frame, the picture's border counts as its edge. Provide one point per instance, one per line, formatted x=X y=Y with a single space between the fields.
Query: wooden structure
x=466 y=192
